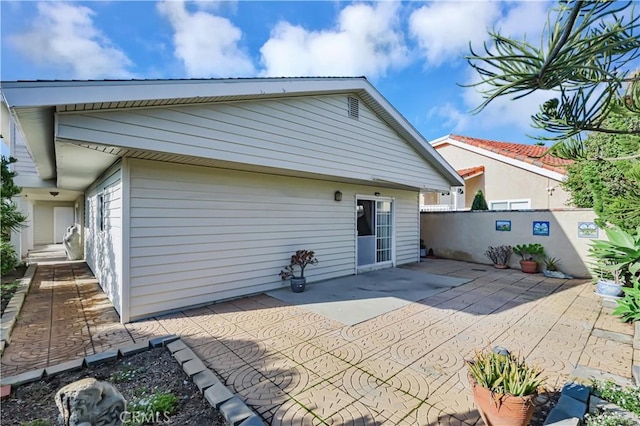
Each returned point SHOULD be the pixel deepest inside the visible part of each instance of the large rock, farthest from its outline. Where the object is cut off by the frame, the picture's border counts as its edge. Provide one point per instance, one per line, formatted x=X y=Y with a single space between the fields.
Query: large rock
x=89 y=402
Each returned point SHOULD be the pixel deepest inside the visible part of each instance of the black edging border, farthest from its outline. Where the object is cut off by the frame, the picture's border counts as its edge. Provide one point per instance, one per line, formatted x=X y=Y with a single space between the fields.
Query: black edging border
x=10 y=314
x=232 y=408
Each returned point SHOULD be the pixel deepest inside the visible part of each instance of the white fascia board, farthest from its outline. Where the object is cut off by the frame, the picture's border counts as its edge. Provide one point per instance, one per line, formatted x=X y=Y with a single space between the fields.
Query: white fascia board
x=24 y=94
x=503 y=158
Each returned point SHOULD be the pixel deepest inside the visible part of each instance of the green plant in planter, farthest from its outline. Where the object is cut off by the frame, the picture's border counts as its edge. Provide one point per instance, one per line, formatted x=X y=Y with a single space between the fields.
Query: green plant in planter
x=619 y=257
x=301 y=259
x=505 y=374
x=529 y=252
x=551 y=263
x=504 y=387
x=628 y=308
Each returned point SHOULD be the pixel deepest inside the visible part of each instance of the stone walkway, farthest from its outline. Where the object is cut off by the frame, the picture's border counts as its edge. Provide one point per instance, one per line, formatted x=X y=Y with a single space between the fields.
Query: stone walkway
x=295 y=367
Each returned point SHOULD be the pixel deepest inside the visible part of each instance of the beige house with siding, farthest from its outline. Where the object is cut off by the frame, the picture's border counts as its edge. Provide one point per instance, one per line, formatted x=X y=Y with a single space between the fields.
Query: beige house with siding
x=191 y=191
x=512 y=176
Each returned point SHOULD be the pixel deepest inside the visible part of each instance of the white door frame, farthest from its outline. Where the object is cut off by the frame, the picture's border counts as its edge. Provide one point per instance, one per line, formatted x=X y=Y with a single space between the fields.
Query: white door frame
x=381 y=265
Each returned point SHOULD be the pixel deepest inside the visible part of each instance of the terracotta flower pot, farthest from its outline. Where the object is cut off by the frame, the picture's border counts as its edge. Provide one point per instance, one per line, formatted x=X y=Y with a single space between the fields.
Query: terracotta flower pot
x=502 y=410
x=529 y=266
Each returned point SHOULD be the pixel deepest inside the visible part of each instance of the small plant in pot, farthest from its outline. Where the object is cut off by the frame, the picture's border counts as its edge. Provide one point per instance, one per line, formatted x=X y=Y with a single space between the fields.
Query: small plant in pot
x=499 y=255
x=423 y=248
x=504 y=387
x=617 y=261
x=301 y=259
x=530 y=254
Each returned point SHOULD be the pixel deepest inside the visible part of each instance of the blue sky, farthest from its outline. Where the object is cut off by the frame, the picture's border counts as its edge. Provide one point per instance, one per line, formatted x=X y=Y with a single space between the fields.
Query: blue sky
x=410 y=51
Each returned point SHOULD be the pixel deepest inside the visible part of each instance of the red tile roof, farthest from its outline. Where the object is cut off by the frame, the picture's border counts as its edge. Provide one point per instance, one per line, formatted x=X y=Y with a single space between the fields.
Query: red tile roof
x=532 y=154
x=470 y=172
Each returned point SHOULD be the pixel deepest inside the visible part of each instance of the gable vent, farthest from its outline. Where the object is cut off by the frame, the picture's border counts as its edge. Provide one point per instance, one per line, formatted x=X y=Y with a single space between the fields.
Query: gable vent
x=354 y=107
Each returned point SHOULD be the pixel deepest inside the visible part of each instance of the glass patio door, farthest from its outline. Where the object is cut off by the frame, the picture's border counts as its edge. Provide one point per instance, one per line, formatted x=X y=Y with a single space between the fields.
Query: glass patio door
x=375 y=233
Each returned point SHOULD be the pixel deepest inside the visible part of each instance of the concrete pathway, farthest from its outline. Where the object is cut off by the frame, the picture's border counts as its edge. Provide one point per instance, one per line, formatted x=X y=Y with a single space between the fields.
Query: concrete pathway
x=293 y=366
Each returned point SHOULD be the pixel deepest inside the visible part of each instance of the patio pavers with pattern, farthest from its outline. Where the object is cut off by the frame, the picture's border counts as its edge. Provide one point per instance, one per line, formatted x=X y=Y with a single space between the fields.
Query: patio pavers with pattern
x=404 y=367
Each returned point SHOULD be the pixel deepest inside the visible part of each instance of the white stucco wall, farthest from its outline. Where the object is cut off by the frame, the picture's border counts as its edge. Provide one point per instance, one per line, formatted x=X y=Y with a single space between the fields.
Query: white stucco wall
x=466 y=235
x=502 y=181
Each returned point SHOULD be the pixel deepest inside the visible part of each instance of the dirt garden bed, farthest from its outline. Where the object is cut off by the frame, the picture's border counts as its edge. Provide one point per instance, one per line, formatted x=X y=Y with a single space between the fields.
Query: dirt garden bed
x=141 y=378
x=9 y=285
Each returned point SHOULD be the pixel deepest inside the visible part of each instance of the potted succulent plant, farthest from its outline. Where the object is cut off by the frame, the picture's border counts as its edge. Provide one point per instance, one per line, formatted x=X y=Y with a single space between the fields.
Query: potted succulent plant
x=301 y=259
x=504 y=387
x=617 y=261
x=423 y=248
x=530 y=254
x=499 y=255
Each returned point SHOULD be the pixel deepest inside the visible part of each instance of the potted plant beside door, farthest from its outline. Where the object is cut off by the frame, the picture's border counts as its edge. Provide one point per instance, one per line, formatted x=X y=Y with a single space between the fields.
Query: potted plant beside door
x=504 y=387
x=301 y=259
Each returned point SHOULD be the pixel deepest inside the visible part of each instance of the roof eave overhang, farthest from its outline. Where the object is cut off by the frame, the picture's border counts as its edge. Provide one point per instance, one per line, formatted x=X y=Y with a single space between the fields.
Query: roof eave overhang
x=32 y=99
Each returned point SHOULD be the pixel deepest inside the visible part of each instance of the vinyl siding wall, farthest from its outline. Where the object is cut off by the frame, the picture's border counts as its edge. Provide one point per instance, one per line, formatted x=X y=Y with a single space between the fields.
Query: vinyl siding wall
x=25 y=165
x=202 y=234
x=103 y=248
x=310 y=134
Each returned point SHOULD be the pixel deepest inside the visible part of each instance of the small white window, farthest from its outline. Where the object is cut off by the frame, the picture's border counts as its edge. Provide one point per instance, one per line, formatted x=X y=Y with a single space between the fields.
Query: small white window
x=510 y=205
x=101 y=212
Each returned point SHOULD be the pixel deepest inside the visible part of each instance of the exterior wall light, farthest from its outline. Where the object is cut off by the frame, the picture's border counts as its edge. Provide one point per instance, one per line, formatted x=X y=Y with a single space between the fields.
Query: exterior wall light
x=337 y=196
x=53 y=193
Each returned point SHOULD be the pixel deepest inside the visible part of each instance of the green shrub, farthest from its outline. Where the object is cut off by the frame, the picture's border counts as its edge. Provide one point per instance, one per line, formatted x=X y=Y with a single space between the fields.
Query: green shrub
x=479 y=202
x=8 y=257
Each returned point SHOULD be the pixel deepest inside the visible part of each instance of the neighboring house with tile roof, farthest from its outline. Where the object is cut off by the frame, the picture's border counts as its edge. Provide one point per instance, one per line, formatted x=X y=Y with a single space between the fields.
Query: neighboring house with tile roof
x=192 y=191
x=512 y=176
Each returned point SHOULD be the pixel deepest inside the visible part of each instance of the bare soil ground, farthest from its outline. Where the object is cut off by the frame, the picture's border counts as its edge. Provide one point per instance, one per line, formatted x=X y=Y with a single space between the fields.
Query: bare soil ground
x=151 y=370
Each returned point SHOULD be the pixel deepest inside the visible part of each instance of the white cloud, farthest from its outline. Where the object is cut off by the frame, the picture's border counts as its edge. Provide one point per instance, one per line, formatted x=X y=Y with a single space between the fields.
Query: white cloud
x=500 y=113
x=524 y=19
x=208 y=45
x=367 y=40
x=443 y=29
x=63 y=36
x=454 y=119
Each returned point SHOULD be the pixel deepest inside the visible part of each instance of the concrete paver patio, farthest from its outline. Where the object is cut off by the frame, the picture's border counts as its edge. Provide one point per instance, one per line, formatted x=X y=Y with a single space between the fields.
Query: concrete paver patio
x=405 y=367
